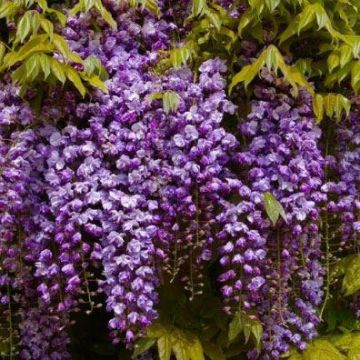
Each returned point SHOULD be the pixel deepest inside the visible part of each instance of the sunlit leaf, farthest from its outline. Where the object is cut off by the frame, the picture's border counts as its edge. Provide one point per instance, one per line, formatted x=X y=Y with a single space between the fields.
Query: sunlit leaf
x=273 y=60
x=346 y=54
x=333 y=61
x=335 y=105
x=164 y=347
x=105 y=14
x=2 y=51
x=48 y=27
x=143 y=345
x=273 y=208
x=322 y=350
x=312 y=13
x=8 y=9
x=236 y=327
x=97 y=83
x=24 y=26
x=170 y=101
x=74 y=77
x=58 y=70
x=32 y=65
x=351 y=281
x=45 y=64
x=61 y=45
x=355 y=76
x=318 y=106
x=198 y=7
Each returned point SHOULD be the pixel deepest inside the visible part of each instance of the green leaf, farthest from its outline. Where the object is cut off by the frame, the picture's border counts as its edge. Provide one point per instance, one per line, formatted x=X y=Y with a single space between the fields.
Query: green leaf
x=97 y=83
x=322 y=350
x=170 y=101
x=318 y=107
x=59 y=70
x=164 y=347
x=295 y=356
x=93 y=66
x=60 y=16
x=185 y=345
x=354 y=351
x=32 y=65
x=333 y=61
x=74 y=77
x=273 y=208
x=8 y=9
x=48 y=27
x=45 y=64
x=154 y=96
x=35 y=22
x=342 y=342
x=36 y=44
x=198 y=7
x=272 y=4
x=257 y=6
x=19 y=75
x=339 y=269
x=249 y=326
x=143 y=345
x=273 y=60
x=236 y=326
x=257 y=332
x=351 y=281
x=2 y=51
x=43 y=4
x=247 y=18
x=305 y=66
x=88 y=4
x=194 y=349
x=310 y=14
x=335 y=105
x=355 y=76
x=354 y=42
x=179 y=56
x=61 y=45
x=179 y=345
x=150 y=5
x=24 y=26
x=106 y=15
x=346 y=54
x=339 y=75
x=214 y=18
x=156 y=330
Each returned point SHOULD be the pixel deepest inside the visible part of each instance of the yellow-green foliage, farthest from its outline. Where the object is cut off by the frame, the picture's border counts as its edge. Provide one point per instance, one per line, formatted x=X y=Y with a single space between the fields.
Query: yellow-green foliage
x=330 y=27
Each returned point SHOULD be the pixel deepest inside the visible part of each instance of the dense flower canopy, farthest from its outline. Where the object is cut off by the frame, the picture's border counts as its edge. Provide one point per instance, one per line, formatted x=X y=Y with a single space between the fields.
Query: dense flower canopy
x=108 y=199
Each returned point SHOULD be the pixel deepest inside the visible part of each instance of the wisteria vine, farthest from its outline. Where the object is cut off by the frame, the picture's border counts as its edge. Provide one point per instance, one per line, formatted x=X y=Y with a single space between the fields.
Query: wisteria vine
x=111 y=197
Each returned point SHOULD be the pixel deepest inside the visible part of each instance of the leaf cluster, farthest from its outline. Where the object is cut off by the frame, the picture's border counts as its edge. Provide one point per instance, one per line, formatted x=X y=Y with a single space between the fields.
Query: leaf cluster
x=35 y=52
x=313 y=43
x=199 y=329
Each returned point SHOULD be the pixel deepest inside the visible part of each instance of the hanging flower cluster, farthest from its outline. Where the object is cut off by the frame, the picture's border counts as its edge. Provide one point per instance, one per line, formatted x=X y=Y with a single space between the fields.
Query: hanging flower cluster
x=284 y=158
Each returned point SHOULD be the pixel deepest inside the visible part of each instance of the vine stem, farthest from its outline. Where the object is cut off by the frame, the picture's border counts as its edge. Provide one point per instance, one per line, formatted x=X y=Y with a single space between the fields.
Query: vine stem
x=279 y=271
x=91 y=303
x=327 y=264
x=10 y=325
x=325 y=226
